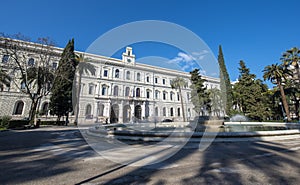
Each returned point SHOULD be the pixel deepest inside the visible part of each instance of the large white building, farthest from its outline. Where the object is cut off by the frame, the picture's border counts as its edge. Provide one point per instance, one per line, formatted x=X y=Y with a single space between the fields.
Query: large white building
x=120 y=90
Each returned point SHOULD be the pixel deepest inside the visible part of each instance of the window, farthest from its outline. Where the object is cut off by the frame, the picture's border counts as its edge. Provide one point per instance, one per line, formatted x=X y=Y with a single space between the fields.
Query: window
x=178 y=98
x=91 y=88
x=100 y=109
x=45 y=108
x=116 y=90
x=138 y=77
x=23 y=85
x=138 y=92
x=172 y=111
x=117 y=73
x=148 y=94
x=171 y=95
x=178 y=112
x=164 y=95
x=127 y=90
x=5 y=58
x=18 y=110
x=188 y=96
x=128 y=75
x=156 y=80
x=31 y=62
x=103 y=90
x=88 y=112
x=105 y=73
x=164 y=81
x=156 y=111
x=156 y=94
x=164 y=111
x=147 y=79
x=54 y=65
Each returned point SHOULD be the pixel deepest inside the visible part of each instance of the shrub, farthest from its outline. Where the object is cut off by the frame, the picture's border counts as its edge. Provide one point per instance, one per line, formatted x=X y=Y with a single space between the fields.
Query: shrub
x=17 y=123
x=52 y=123
x=4 y=121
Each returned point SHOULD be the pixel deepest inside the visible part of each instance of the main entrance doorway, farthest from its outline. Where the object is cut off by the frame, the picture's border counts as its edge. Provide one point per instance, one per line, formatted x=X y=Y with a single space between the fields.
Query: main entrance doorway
x=114 y=113
x=126 y=114
x=138 y=112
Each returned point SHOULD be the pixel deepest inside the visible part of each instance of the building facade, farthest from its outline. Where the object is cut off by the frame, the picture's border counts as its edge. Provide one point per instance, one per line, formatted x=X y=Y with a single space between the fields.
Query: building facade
x=114 y=91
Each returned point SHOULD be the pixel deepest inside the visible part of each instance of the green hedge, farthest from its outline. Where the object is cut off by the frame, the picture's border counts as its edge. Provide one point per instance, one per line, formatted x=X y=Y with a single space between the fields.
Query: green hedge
x=4 y=121
x=53 y=123
x=17 y=123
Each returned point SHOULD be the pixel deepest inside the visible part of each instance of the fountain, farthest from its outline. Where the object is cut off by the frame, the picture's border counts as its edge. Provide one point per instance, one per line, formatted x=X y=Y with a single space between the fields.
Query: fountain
x=238 y=129
x=238 y=118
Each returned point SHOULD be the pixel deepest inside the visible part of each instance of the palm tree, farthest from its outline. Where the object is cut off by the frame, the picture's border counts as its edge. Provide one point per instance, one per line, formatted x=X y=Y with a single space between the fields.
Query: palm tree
x=4 y=79
x=178 y=83
x=277 y=74
x=84 y=66
x=292 y=58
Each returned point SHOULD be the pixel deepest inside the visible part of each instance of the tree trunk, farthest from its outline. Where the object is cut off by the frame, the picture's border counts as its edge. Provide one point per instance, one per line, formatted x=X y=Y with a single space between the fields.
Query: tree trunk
x=182 y=107
x=77 y=99
x=284 y=102
x=33 y=107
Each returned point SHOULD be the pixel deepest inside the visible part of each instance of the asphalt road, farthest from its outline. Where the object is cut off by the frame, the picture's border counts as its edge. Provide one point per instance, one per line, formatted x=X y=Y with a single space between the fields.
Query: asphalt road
x=60 y=155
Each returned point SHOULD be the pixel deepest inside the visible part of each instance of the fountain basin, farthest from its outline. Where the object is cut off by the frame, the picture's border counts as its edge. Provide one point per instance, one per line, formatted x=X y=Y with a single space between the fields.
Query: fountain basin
x=210 y=134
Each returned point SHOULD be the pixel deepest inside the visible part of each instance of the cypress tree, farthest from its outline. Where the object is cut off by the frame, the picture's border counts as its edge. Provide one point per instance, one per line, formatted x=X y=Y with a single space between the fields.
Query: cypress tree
x=61 y=99
x=225 y=85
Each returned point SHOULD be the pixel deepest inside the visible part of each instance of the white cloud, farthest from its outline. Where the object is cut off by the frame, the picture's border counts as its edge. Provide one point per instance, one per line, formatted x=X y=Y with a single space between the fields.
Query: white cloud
x=188 y=62
x=186 y=57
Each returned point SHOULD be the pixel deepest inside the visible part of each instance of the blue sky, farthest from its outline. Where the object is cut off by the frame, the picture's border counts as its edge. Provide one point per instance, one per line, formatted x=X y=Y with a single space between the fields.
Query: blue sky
x=256 y=31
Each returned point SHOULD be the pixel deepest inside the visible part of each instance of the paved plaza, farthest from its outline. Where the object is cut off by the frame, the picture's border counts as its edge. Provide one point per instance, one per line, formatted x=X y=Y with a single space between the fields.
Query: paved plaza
x=60 y=155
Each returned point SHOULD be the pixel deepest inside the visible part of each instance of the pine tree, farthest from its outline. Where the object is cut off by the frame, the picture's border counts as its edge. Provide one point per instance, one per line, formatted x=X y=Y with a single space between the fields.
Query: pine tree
x=199 y=95
x=61 y=99
x=225 y=85
x=251 y=95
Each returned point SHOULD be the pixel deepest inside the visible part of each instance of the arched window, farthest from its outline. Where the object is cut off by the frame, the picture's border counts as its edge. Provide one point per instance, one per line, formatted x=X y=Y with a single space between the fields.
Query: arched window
x=164 y=111
x=104 y=90
x=117 y=73
x=147 y=79
x=138 y=92
x=100 y=110
x=128 y=75
x=156 y=111
x=18 y=110
x=164 y=95
x=171 y=96
x=45 y=108
x=88 y=112
x=171 y=111
x=23 y=85
x=138 y=77
x=178 y=112
x=91 y=88
x=116 y=90
x=31 y=62
x=148 y=93
x=156 y=94
x=127 y=90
